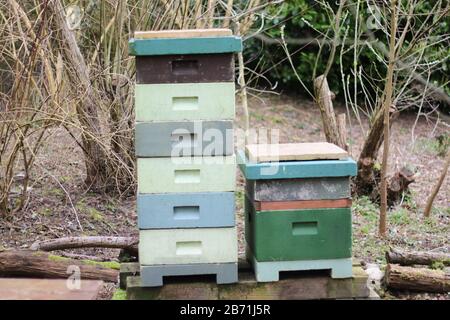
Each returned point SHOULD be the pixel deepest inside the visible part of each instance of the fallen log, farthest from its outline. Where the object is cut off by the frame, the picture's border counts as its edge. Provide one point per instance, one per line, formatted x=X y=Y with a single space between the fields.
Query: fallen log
x=127 y=243
x=405 y=258
x=416 y=279
x=37 y=264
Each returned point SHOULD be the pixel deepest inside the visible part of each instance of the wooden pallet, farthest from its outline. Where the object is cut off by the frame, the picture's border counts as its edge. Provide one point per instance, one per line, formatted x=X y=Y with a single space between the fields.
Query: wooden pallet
x=304 y=285
x=47 y=289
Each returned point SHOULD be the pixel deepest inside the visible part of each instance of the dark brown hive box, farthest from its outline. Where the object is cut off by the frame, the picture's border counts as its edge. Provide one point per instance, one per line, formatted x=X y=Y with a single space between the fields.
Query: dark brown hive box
x=185 y=68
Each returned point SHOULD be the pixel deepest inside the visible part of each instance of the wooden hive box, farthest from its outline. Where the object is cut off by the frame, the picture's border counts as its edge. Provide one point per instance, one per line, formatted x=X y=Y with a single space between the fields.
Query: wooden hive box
x=186 y=210
x=187 y=246
x=307 y=234
x=186 y=174
x=187 y=139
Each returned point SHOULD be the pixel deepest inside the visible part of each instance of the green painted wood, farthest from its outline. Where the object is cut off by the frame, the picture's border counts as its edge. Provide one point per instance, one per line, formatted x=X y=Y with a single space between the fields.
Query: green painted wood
x=166 y=46
x=186 y=246
x=291 y=235
x=295 y=169
x=186 y=174
x=269 y=271
x=185 y=101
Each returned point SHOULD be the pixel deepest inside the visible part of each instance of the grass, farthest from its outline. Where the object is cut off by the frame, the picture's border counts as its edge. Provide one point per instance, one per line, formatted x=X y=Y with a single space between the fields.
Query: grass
x=406 y=226
x=92 y=212
x=438 y=146
x=119 y=294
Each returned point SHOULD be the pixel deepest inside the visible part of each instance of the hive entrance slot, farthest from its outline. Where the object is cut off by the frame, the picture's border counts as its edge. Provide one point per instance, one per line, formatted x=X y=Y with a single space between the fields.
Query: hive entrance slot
x=185 y=103
x=186 y=213
x=304 y=228
x=191 y=248
x=184 y=67
x=187 y=176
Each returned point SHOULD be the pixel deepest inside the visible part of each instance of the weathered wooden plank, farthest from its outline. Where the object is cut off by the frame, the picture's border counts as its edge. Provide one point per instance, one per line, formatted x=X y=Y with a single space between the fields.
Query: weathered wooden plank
x=186 y=33
x=311 y=234
x=303 y=204
x=152 y=276
x=198 y=68
x=186 y=210
x=128 y=269
x=298 y=286
x=327 y=188
x=48 y=289
x=186 y=174
x=185 y=246
x=294 y=152
x=185 y=101
x=186 y=139
x=199 y=45
x=295 y=169
x=293 y=286
x=171 y=291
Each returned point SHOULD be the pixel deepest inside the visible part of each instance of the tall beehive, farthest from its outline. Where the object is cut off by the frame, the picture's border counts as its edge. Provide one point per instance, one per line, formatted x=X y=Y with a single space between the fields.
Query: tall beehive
x=297 y=208
x=185 y=106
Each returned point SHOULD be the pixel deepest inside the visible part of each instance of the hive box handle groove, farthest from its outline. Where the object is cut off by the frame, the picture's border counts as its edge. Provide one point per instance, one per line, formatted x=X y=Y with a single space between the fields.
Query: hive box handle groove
x=188 y=248
x=187 y=176
x=184 y=103
x=184 y=67
x=305 y=228
x=186 y=213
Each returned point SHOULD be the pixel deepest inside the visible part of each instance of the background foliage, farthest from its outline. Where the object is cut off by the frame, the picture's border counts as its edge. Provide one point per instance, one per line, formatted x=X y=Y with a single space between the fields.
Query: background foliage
x=305 y=21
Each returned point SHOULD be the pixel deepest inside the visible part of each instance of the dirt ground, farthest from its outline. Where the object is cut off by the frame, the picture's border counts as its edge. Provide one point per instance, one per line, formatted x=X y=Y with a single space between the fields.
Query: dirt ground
x=58 y=199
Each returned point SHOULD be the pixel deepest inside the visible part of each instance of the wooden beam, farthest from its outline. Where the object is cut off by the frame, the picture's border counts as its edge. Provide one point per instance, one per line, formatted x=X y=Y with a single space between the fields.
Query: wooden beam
x=37 y=264
x=304 y=285
x=417 y=279
x=305 y=204
x=194 y=33
x=47 y=289
x=294 y=152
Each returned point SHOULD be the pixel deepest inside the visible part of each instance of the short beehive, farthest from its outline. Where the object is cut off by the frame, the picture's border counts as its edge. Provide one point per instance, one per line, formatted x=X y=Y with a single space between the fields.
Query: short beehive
x=297 y=208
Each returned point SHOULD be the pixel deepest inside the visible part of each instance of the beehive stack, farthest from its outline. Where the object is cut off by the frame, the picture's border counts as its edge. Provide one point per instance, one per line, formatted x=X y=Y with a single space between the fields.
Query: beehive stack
x=297 y=208
x=185 y=107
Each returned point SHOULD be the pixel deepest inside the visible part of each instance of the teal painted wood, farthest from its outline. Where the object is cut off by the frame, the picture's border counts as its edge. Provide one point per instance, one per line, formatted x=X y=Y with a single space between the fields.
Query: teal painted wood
x=309 y=234
x=152 y=276
x=186 y=174
x=326 y=188
x=186 y=138
x=186 y=210
x=166 y=46
x=295 y=169
x=185 y=101
x=187 y=246
x=269 y=271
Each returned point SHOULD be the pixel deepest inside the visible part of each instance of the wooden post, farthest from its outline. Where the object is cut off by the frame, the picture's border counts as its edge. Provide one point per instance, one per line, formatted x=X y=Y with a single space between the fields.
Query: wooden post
x=436 y=188
x=334 y=129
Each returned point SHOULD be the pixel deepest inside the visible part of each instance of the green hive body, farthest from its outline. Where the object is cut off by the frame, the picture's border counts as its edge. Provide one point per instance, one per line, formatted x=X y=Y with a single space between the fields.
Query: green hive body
x=298 y=234
x=315 y=233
